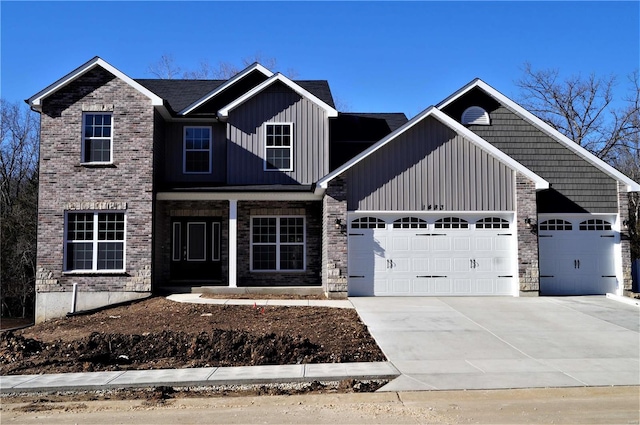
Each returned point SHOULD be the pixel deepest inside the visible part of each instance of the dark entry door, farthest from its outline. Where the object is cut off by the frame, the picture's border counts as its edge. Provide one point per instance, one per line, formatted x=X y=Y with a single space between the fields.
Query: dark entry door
x=195 y=248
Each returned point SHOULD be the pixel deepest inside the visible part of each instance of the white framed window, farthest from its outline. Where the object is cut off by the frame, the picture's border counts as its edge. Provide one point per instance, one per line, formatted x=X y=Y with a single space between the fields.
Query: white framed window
x=368 y=223
x=95 y=241
x=278 y=146
x=278 y=243
x=97 y=138
x=196 y=158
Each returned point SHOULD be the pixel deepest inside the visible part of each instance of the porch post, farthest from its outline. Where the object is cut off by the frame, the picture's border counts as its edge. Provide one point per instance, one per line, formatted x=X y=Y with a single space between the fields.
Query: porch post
x=233 y=242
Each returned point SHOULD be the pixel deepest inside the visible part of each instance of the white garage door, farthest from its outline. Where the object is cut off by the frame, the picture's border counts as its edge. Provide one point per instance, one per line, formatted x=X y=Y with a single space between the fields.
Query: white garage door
x=431 y=255
x=577 y=255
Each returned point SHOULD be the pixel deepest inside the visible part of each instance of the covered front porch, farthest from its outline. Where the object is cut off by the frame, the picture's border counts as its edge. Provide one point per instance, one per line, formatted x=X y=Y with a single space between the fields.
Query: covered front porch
x=248 y=239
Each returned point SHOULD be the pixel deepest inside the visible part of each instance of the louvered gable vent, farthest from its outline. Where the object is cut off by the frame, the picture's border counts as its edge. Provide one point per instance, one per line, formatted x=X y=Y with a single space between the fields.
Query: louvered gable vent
x=475 y=115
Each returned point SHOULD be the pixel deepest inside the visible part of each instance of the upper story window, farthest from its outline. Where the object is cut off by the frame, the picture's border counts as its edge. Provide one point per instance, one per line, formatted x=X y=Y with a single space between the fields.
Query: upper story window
x=278 y=147
x=97 y=138
x=94 y=241
x=197 y=150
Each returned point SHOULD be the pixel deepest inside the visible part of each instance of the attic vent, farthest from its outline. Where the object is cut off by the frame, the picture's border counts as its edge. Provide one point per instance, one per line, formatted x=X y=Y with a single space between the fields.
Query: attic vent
x=475 y=115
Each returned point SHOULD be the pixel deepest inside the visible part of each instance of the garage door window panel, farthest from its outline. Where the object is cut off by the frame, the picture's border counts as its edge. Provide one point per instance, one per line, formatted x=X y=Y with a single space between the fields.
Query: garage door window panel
x=555 y=224
x=492 y=223
x=451 y=223
x=410 y=223
x=368 y=223
x=595 y=225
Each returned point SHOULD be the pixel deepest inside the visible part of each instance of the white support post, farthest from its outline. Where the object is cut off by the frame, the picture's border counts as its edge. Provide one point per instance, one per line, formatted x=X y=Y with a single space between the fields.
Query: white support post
x=233 y=243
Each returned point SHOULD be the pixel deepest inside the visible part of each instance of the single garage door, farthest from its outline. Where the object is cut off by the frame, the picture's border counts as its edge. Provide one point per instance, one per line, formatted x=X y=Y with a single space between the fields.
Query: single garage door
x=431 y=255
x=577 y=255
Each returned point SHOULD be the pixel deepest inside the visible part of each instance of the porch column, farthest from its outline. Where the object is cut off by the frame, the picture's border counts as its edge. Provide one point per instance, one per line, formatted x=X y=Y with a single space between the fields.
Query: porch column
x=233 y=243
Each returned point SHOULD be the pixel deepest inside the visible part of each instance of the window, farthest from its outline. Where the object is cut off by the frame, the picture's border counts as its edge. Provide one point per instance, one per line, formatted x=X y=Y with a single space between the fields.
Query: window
x=368 y=223
x=595 y=224
x=94 y=241
x=410 y=223
x=278 y=147
x=96 y=138
x=492 y=223
x=277 y=243
x=451 y=223
x=555 y=224
x=197 y=150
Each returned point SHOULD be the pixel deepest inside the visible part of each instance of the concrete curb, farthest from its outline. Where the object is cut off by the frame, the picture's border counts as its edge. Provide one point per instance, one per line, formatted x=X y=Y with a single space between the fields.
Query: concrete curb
x=211 y=376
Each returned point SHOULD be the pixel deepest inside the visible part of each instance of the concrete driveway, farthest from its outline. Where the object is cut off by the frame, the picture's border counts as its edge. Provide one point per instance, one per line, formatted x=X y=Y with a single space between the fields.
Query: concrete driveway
x=503 y=342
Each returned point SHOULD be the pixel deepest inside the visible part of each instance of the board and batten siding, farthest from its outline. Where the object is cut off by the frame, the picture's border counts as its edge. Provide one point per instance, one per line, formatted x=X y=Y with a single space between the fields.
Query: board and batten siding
x=431 y=167
x=246 y=133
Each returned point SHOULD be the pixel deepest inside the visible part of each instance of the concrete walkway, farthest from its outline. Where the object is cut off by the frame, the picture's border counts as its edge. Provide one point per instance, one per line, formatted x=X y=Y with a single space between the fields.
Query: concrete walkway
x=503 y=342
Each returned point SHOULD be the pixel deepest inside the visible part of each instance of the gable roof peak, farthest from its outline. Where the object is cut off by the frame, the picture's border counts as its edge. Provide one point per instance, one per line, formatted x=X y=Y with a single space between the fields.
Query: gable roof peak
x=35 y=101
x=631 y=185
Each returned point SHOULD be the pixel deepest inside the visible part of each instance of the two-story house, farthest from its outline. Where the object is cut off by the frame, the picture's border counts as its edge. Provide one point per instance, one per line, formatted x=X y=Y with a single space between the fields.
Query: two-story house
x=258 y=181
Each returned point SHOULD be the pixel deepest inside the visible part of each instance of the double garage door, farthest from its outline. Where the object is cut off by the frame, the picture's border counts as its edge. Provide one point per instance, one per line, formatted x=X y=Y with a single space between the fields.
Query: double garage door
x=577 y=255
x=431 y=254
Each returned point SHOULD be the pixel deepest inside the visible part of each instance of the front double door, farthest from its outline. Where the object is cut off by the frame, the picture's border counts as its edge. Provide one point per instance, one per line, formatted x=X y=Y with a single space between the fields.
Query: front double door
x=195 y=254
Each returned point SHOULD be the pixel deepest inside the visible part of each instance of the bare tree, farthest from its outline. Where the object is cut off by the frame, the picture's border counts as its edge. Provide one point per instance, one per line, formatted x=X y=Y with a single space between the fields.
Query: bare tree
x=19 y=140
x=166 y=68
x=584 y=108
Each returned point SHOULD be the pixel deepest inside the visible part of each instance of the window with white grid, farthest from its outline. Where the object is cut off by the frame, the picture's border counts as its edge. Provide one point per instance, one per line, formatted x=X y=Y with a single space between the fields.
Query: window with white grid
x=97 y=138
x=278 y=243
x=95 y=241
x=278 y=147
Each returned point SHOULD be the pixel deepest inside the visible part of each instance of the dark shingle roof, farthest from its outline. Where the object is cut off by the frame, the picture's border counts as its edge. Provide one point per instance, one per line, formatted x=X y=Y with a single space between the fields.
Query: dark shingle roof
x=181 y=93
x=352 y=133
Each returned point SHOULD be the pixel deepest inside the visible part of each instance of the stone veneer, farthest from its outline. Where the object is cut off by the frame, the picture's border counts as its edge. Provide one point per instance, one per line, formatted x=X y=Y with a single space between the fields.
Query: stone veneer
x=625 y=242
x=66 y=184
x=334 y=239
x=528 y=268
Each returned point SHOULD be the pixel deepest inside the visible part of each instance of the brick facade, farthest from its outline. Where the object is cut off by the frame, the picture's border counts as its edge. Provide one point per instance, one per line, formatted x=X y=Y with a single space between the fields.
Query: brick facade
x=334 y=239
x=312 y=211
x=66 y=184
x=528 y=268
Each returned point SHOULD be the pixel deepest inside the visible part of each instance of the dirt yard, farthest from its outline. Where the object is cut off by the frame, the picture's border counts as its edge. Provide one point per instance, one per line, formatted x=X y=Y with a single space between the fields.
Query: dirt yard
x=158 y=333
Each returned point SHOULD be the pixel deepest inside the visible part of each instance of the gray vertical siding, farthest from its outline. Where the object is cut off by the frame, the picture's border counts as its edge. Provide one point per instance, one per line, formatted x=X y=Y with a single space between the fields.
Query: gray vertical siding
x=245 y=134
x=431 y=167
x=173 y=149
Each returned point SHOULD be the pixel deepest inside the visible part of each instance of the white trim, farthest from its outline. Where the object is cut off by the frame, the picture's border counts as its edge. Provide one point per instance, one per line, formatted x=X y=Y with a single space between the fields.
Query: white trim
x=239 y=196
x=233 y=243
x=266 y=148
x=82 y=147
x=278 y=244
x=95 y=242
x=223 y=113
x=184 y=149
x=632 y=186
x=35 y=101
x=454 y=125
x=253 y=67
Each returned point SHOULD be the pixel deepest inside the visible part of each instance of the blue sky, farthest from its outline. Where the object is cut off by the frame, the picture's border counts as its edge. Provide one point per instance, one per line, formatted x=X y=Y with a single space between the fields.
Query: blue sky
x=377 y=56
